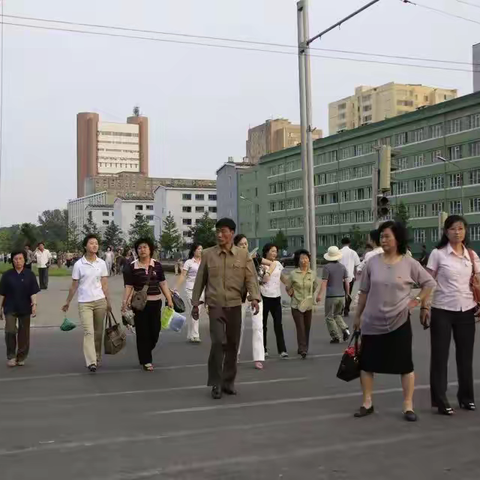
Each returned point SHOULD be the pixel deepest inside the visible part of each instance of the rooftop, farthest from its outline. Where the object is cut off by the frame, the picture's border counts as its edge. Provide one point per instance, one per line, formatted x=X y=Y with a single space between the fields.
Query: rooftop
x=135 y=198
x=100 y=207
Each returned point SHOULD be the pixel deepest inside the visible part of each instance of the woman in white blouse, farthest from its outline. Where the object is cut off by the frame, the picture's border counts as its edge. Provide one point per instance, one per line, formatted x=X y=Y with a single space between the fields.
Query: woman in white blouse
x=453 y=310
x=188 y=275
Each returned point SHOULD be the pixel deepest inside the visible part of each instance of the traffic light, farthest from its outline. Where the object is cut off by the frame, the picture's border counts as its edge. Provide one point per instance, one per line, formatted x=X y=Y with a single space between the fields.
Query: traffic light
x=383 y=204
x=385 y=168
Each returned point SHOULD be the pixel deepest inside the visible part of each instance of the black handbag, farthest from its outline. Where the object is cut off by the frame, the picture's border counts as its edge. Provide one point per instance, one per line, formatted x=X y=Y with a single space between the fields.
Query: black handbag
x=349 y=368
x=178 y=303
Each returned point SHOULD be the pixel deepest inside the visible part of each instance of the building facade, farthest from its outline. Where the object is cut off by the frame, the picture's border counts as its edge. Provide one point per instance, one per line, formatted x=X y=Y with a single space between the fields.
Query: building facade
x=374 y=104
x=273 y=136
x=101 y=215
x=227 y=189
x=105 y=149
x=77 y=208
x=343 y=166
x=476 y=67
x=187 y=205
x=125 y=209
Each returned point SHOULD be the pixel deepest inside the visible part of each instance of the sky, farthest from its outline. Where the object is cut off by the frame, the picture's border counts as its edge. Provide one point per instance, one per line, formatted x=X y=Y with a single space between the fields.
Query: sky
x=200 y=100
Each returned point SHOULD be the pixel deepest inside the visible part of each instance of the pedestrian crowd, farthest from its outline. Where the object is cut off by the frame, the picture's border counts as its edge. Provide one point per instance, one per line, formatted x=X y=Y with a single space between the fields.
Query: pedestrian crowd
x=228 y=281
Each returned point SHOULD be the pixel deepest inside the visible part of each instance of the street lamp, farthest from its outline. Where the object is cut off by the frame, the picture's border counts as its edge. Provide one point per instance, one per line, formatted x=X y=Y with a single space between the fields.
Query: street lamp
x=254 y=216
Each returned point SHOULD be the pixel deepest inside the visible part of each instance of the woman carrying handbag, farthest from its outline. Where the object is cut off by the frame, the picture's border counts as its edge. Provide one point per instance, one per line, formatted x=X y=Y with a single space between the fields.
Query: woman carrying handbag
x=455 y=302
x=144 y=284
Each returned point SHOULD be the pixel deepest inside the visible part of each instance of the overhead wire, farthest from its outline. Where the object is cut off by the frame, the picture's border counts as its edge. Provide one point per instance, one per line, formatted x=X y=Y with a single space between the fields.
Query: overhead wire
x=231 y=40
x=443 y=12
x=476 y=5
x=232 y=47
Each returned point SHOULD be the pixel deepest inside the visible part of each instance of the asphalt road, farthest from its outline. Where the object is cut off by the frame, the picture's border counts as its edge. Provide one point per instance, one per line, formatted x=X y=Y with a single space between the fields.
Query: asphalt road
x=292 y=420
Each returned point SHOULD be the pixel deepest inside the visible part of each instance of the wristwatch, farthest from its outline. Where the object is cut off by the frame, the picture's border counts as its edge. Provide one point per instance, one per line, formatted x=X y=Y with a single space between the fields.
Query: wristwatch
x=418 y=299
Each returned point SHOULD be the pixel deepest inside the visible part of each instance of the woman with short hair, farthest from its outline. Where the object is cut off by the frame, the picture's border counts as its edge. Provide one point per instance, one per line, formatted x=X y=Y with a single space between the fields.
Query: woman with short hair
x=383 y=314
x=452 y=264
x=145 y=270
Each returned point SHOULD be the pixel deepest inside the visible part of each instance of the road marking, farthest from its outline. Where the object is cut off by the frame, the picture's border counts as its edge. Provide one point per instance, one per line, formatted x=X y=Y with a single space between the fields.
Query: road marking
x=140 y=392
x=290 y=454
x=51 y=445
x=282 y=401
x=167 y=367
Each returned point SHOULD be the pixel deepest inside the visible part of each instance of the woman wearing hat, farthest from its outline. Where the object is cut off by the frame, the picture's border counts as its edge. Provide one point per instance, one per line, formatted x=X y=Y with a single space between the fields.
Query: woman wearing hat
x=335 y=282
x=302 y=285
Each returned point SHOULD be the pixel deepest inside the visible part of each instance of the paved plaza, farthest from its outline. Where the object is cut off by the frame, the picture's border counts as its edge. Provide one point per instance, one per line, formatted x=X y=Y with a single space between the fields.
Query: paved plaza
x=293 y=420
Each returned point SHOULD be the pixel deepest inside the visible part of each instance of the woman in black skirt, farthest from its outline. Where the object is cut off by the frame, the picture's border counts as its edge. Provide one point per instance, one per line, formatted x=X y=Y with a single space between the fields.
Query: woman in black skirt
x=383 y=314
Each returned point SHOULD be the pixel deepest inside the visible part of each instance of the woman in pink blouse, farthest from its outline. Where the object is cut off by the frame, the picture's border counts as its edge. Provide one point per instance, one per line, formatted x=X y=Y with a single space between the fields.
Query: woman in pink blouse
x=453 y=310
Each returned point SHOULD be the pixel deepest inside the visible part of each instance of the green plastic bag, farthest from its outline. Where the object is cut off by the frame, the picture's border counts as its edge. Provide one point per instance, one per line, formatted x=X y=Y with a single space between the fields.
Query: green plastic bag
x=167 y=315
x=67 y=325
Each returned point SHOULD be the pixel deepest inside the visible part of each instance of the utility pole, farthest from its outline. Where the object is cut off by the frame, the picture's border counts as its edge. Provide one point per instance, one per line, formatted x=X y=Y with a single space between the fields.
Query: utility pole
x=306 y=118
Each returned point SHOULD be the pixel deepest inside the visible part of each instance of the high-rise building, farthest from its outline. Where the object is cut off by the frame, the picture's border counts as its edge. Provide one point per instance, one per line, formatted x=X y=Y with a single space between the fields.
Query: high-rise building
x=374 y=104
x=273 y=136
x=476 y=67
x=105 y=149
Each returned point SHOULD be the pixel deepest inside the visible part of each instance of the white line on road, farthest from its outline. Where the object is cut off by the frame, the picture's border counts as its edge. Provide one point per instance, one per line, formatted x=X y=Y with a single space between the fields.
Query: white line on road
x=282 y=401
x=168 y=367
x=140 y=392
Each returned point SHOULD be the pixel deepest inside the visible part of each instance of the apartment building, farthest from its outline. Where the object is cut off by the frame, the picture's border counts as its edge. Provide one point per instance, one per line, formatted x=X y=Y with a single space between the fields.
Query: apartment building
x=78 y=208
x=374 y=104
x=101 y=215
x=125 y=209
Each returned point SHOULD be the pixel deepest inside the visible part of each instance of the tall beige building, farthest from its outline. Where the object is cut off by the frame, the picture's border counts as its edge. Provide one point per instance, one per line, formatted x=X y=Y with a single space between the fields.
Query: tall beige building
x=272 y=136
x=374 y=104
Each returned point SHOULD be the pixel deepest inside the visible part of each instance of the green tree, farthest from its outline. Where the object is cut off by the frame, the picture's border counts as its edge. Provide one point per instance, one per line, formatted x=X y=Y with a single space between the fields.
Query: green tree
x=53 y=226
x=402 y=215
x=90 y=227
x=204 y=231
x=5 y=240
x=170 y=239
x=28 y=234
x=280 y=240
x=356 y=238
x=140 y=228
x=113 y=237
x=72 y=242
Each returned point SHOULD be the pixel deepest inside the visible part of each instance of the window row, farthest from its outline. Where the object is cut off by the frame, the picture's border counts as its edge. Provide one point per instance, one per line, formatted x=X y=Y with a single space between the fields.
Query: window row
x=117 y=165
x=199 y=196
x=288 y=204
x=199 y=209
x=284 y=223
x=279 y=187
x=286 y=167
x=344 y=174
x=140 y=207
x=119 y=134
x=355 y=216
x=433 y=209
x=420 y=234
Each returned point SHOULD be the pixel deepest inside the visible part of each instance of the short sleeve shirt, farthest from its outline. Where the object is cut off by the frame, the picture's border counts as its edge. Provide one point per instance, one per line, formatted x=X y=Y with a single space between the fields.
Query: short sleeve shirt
x=335 y=273
x=89 y=276
x=272 y=288
x=191 y=267
x=17 y=288
x=136 y=276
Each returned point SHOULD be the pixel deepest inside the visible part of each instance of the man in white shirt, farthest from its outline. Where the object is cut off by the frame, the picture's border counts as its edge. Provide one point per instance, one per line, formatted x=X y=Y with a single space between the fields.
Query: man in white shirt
x=377 y=249
x=43 y=258
x=351 y=262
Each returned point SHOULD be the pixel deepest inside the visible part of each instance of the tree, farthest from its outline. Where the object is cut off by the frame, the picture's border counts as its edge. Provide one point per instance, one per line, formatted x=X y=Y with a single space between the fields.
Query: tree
x=53 y=226
x=28 y=234
x=140 y=228
x=5 y=240
x=356 y=238
x=280 y=240
x=170 y=239
x=204 y=231
x=113 y=237
x=72 y=243
x=90 y=227
x=402 y=215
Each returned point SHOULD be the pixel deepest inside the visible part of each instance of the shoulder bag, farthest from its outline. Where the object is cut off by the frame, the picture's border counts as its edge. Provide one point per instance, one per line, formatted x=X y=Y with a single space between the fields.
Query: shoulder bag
x=474 y=279
x=349 y=368
x=139 y=299
x=307 y=303
x=115 y=336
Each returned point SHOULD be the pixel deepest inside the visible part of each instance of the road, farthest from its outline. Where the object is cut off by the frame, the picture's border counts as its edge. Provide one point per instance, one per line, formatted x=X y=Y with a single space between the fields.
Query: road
x=292 y=420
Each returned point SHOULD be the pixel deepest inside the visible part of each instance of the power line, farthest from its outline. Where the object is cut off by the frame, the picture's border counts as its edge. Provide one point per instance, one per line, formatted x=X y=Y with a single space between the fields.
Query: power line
x=476 y=5
x=232 y=47
x=442 y=12
x=232 y=40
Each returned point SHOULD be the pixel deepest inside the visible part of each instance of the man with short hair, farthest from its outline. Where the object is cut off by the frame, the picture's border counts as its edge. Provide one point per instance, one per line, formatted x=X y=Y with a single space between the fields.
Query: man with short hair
x=43 y=257
x=225 y=272
x=374 y=242
x=351 y=262
x=30 y=257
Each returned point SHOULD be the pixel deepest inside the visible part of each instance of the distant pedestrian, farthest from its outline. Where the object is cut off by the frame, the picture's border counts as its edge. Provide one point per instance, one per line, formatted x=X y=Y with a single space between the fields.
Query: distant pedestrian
x=30 y=257
x=225 y=273
x=89 y=277
x=383 y=315
x=178 y=263
x=109 y=259
x=142 y=272
x=302 y=286
x=188 y=275
x=424 y=257
x=18 y=298
x=43 y=258
x=452 y=263
x=376 y=249
x=336 y=285
x=350 y=261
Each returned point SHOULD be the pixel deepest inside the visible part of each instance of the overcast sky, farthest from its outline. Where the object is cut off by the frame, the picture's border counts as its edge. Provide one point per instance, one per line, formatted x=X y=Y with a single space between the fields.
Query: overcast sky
x=200 y=100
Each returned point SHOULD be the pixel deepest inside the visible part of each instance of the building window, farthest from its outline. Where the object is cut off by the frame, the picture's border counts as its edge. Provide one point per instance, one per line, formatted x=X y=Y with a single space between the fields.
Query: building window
x=420 y=211
x=455 y=180
x=436 y=154
x=400 y=188
x=400 y=139
x=342 y=106
x=402 y=163
x=367 y=108
x=437 y=182
x=475 y=204
x=455 y=153
x=417 y=135
x=187 y=234
x=199 y=209
x=419 y=236
x=475 y=149
x=187 y=221
x=212 y=209
x=434 y=235
x=367 y=118
x=186 y=209
x=138 y=207
x=149 y=207
x=455 y=207
x=437 y=207
x=454 y=126
x=419 y=160
x=187 y=196
x=419 y=185
x=105 y=214
x=475 y=120
x=436 y=131
x=199 y=196
x=106 y=222
x=212 y=198
x=149 y=217
x=474 y=177
x=475 y=233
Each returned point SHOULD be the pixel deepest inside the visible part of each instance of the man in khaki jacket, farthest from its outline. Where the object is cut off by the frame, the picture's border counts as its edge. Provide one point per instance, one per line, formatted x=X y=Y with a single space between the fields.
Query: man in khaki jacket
x=225 y=273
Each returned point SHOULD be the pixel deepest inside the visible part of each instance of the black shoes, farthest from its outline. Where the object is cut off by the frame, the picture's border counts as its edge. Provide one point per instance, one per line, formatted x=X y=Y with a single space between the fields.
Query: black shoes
x=364 y=412
x=467 y=406
x=335 y=340
x=346 y=334
x=229 y=391
x=216 y=392
x=92 y=368
x=410 y=416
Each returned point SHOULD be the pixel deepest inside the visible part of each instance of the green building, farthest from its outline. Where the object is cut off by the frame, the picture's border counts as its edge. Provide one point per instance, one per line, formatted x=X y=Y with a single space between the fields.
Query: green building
x=271 y=193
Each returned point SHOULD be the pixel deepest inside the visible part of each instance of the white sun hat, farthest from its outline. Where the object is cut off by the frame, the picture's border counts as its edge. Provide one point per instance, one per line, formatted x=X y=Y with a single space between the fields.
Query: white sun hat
x=333 y=254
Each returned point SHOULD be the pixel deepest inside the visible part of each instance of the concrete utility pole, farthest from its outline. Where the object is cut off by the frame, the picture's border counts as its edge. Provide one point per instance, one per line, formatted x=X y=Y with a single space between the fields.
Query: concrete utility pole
x=306 y=118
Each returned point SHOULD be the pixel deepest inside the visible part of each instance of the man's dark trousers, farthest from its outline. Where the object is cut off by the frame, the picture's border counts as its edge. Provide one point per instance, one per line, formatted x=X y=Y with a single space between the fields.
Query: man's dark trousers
x=43 y=277
x=225 y=327
x=348 y=299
